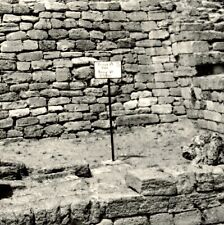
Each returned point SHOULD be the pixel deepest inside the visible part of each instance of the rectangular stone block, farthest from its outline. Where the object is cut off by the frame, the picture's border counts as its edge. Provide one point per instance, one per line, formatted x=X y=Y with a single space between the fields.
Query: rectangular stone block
x=161 y=219
x=137 y=220
x=30 y=56
x=188 y=218
x=151 y=181
x=6 y=123
x=12 y=46
x=186 y=47
x=137 y=119
x=162 y=109
x=214 y=215
x=77 y=126
x=19 y=112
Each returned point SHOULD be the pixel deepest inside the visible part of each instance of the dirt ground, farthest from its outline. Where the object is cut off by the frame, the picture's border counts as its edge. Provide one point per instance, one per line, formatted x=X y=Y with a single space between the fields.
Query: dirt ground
x=140 y=147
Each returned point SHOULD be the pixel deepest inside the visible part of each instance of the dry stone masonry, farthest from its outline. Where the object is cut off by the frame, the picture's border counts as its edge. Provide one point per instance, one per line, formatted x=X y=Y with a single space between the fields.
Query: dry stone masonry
x=47 y=52
x=155 y=196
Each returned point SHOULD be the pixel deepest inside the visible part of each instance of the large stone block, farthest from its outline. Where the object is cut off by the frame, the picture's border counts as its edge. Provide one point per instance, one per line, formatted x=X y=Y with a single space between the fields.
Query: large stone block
x=151 y=182
x=53 y=130
x=78 y=33
x=77 y=126
x=137 y=119
x=188 y=218
x=35 y=131
x=30 y=56
x=69 y=116
x=92 y=16
x=158 y=34
x=44 y=76
x=17 y=77
x=48 y=118
x=114 y=16
x=58 y=33
x=11 y=46
x=6 y=123
x=137 y=220
x=162 y=109
x=161 y=219
x=186 y=47
x=19 y=112
x=37 y=34
x=7 y=65
x=78 y=6
x=28 y=121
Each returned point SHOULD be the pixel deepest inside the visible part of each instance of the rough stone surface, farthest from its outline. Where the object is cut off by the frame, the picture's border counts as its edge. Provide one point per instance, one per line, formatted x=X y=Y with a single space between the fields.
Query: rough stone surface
x=151 y=182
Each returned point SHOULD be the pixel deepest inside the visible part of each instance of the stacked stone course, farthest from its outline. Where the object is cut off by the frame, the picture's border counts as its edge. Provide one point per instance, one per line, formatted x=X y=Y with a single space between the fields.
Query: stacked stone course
x=173 y=196
x=48 y=50
x=47 y=85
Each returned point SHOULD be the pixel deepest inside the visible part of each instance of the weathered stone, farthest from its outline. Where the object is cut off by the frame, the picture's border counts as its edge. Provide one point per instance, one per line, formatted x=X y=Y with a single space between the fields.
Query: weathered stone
x=138 y=220
x=77 y=6
x=190 y=47
x=137 y=120
x=151 y=182
x=92 y=16
x=7 y=64
x=77 y=126
x=19 y=112
x=38 y=111
x=44 y=76
x=6 y=123
x=146 y=102
x=28 y=121
x=7 y=97
x=62 y=63
x=106 y=45
x=53 y=130
x=63 y=74
x=30 y=56
x=168 y=118
x=102 y=124
x=137 y=16
x=58 y=33
x=85 y=45
x=11 y=18
x=47 y=45
x=12 y=46
x=33 y=131
x=162 y=109
x=48 y=118
x=190 y=217
x=69 y=116
x=158 y=34
x=96 y=108
x=105 y=222
x=14 y=105
x=78 y=33
x=83 y=73
x=37 y=86
x=36 y=102
x=114 y=16
x=161 y=219
x=37 y=34
x=59 y=101
x=5 y=8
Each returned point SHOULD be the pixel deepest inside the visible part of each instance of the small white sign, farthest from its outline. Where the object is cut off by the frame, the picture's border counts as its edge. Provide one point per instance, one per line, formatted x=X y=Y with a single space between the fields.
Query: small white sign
x=107 y=70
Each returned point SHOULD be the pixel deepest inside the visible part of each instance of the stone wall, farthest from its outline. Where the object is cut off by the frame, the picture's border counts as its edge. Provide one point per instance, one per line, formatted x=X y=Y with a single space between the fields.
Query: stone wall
x=203 y=84
x=48 y=50
x=174 y=196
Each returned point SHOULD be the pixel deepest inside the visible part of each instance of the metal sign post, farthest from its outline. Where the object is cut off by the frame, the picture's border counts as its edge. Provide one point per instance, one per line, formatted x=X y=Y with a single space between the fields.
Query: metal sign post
x=111 y=122
x=109 y=70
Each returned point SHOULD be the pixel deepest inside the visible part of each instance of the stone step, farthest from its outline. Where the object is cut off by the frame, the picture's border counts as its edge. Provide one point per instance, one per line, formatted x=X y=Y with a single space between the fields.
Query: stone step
x=151 y=181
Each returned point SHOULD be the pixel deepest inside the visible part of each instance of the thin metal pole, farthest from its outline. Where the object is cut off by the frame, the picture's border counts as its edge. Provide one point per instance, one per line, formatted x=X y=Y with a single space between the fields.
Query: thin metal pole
x=111 y=122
